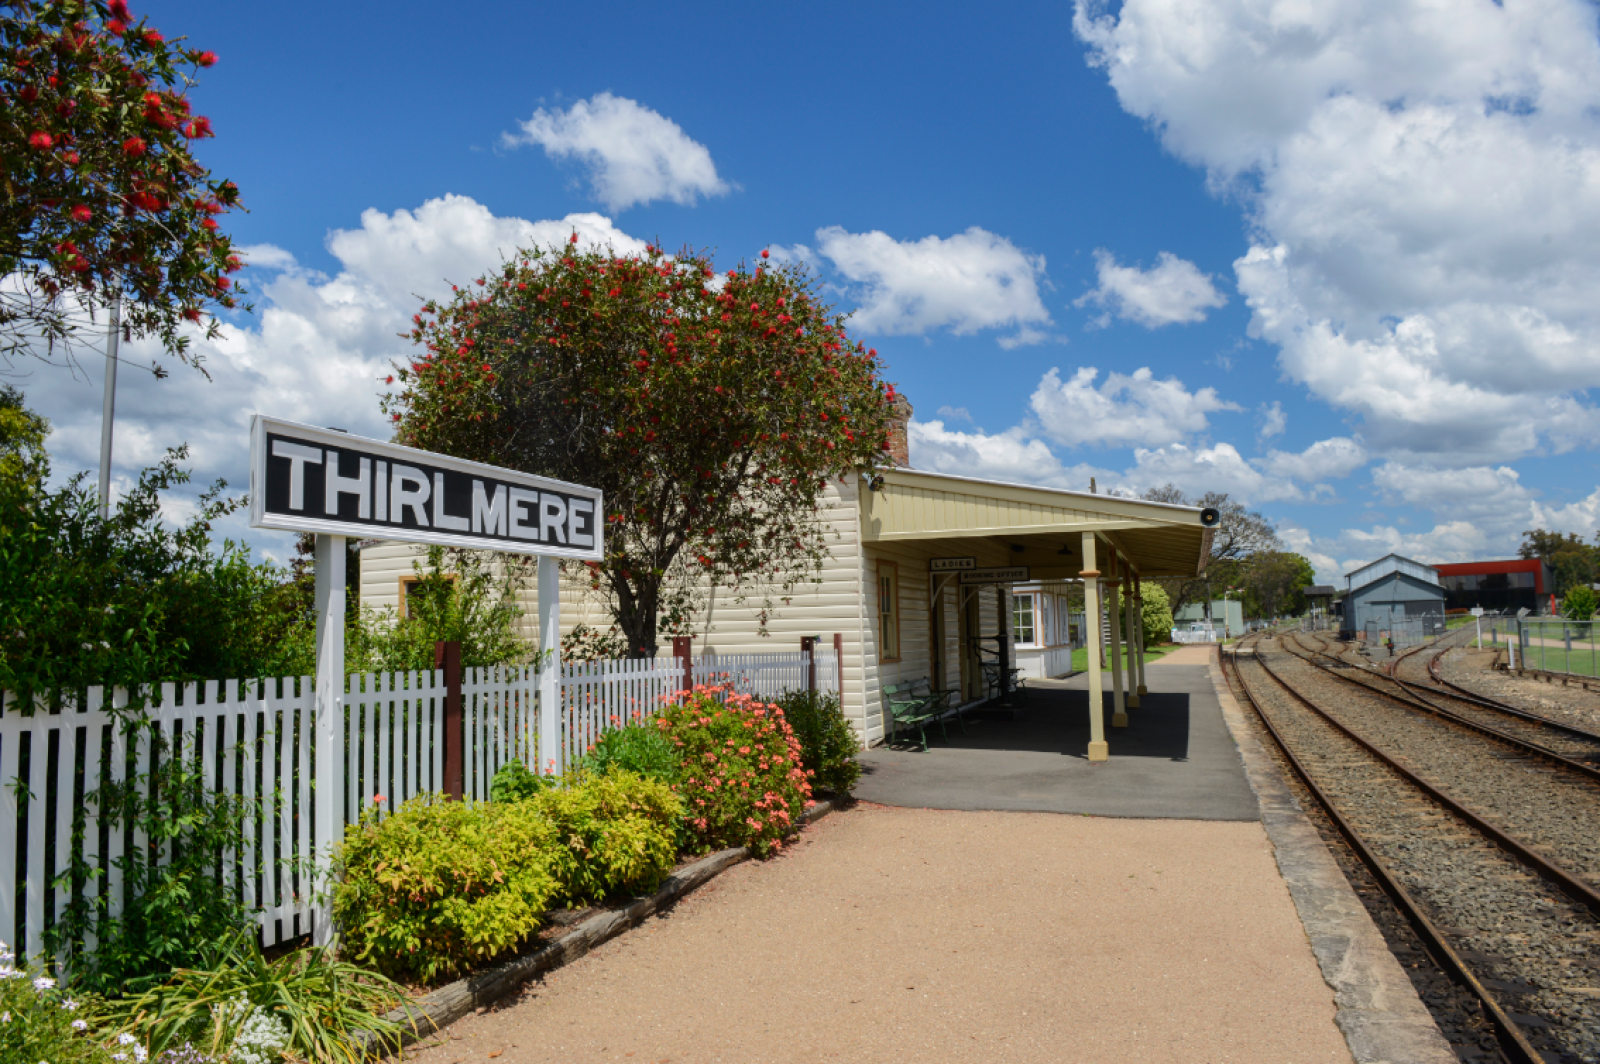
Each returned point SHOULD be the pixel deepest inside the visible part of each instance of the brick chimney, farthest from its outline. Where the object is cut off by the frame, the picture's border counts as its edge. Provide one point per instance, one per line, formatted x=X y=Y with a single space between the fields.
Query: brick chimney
x=899 y=443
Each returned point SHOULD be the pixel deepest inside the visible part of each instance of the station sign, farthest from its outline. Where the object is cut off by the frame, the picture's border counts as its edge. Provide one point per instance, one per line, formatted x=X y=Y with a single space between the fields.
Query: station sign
x=1476 y=611
x=1006 y=574
x=309 y=479
x=951 y=565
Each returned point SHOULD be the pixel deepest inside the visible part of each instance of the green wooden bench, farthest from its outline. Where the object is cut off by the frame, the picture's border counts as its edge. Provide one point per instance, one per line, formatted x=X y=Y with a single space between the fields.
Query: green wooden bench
x=910 y=710
x=939 y=699
x=991 y=679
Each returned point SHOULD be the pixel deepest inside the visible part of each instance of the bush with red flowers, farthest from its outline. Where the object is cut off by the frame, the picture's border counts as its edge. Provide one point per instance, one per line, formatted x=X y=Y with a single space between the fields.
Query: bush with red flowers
x=742 y=781
x=710 y=409
x=102 y=196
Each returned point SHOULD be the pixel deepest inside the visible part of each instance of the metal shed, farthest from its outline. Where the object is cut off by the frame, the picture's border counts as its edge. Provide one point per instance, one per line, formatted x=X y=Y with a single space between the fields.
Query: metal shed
x=1391 y=588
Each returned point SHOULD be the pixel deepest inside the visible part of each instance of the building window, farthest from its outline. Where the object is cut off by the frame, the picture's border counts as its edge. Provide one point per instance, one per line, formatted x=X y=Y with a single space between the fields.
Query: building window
x=408 y=584
x=1022 y=619
x=888 y=611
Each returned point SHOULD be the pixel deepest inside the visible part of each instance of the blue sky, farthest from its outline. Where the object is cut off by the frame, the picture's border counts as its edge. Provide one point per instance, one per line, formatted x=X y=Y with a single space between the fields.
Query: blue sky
x=1338 y=260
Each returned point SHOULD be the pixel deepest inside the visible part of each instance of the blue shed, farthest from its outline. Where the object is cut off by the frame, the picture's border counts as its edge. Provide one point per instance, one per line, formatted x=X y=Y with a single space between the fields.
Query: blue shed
x=1389 y=588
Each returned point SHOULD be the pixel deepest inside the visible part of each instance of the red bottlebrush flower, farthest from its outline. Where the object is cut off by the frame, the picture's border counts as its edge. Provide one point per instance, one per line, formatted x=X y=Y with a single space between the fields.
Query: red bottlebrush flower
x=197 y=128
x=80 y=213
x=40 y=140
x=486 y=368
x=574 y=240
x=641 y=365
x=119 y=9
x=116 y=27
x=192 y=313
x=614 y=293
x=763 y=252
x=206 y=59
x=133 y=146
x=29 y=93
x=223 y=282
x=72 y=158
x=389 y=379
x=872 y=353
x=152 y=38
x=80 y=265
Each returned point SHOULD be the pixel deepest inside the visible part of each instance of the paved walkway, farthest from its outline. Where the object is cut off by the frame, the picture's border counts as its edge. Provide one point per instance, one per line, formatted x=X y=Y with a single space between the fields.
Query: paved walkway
x=910 y=936
x=1176 y=758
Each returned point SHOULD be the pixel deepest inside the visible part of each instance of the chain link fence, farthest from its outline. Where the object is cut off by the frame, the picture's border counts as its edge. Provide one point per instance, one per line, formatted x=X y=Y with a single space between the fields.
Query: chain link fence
x=1549 y=644
x=1404 y=631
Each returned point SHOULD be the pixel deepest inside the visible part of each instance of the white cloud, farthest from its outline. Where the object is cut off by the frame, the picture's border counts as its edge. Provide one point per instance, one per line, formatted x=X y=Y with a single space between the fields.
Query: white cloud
x=1125 y=410
x=315 y=351
x=1423 y=181
x=634 y=154
x=1216 y=468
x=955 y=413
x=1173 y=292
x=1010 y=456
x=1273 y=420
x=1324 y=460
x=965 y=283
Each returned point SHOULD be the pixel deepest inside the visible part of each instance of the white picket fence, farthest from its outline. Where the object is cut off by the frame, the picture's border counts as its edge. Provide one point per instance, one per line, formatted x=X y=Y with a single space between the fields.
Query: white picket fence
x=255 y=739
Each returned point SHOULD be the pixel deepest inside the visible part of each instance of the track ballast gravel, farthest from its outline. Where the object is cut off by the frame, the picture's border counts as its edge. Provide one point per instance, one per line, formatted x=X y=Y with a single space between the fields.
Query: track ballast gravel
x=1534 y=945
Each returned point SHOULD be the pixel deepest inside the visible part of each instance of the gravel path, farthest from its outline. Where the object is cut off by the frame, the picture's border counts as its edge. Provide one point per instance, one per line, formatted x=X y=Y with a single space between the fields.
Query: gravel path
x=911 y=935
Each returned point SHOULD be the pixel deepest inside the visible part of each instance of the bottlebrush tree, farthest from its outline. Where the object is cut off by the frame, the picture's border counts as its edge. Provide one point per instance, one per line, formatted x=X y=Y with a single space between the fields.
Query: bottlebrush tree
x=102 y=197
x=711 y=410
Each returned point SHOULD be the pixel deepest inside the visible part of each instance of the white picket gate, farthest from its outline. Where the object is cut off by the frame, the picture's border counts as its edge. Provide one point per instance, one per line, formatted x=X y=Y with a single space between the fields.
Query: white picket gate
x=255 y=739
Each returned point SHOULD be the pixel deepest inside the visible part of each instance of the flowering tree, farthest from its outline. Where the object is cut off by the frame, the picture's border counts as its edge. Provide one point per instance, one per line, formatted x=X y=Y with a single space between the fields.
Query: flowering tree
x=709 y=409
x=102 y=199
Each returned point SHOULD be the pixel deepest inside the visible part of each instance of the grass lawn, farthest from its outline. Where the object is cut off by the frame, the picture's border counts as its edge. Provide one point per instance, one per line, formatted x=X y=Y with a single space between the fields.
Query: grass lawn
x=1080 y=657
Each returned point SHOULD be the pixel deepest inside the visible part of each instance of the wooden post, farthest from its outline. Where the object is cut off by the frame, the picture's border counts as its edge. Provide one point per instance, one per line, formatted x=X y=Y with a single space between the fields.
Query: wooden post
x=808 y=651
x=1130 y=608
x=838 y=662
x=1004 y=652
x=332 y=764
x=447 y=656
x=551 y=751
x=1098 y=750
x=683 y=650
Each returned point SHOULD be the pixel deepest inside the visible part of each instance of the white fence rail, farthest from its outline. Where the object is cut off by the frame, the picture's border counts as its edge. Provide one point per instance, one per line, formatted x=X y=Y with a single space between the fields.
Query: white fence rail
x=1197 y=635
x=255 y=739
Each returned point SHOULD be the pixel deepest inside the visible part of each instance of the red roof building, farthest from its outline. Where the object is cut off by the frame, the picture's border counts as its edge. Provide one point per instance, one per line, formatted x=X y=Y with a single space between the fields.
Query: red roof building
x=1505 y=586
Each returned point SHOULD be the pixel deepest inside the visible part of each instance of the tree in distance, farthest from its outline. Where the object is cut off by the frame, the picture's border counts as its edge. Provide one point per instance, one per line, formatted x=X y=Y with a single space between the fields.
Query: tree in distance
x=710 y=409
x=1240 y=534
x=102 y=199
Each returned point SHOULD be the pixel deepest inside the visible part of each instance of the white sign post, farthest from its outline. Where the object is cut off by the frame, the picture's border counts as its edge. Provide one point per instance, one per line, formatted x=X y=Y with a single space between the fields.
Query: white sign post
x=1477 y=622
x=332 y=484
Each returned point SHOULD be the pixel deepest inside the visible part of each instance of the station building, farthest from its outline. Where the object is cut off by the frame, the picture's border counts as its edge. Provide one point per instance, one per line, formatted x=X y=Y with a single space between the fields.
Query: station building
x=1503 y=587
x=912 y=588
x=1391 y=588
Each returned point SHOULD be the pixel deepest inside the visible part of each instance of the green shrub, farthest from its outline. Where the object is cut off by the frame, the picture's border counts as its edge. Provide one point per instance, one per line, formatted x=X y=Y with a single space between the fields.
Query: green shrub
x=615 y=832
x=639 y=748
x=440 y=886
x=743 y=783
x=178 y=910
x=828 y=745
x=515 y=782
x=41 y=1023
x=239 y=1006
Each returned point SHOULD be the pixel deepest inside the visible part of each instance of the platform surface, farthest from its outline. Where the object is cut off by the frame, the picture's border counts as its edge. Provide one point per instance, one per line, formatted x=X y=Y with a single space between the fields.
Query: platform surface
x=1176 y=758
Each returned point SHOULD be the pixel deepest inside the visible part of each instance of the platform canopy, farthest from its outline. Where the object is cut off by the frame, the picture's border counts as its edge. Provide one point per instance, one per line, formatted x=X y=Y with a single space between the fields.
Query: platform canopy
x=1041 y=528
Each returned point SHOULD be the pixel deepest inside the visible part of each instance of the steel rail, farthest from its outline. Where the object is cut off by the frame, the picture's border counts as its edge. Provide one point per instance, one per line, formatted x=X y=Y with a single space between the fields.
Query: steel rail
x=1577 y=888
x=1457 y=691
x=1512 y=1041
x=1418 y=702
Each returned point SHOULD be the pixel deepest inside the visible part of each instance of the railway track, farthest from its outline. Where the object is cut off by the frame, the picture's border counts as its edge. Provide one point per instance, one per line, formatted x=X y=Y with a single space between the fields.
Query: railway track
x=1574 y=748
x=1507 y=920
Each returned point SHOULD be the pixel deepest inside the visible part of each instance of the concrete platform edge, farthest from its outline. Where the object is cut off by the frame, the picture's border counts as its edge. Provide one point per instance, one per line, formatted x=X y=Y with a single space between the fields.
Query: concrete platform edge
x=1377 y=1009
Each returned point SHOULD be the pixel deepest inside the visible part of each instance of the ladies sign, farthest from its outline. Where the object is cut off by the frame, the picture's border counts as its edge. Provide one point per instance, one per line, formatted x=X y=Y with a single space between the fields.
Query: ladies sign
x=307 y=479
